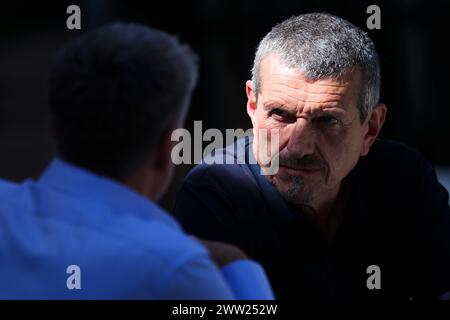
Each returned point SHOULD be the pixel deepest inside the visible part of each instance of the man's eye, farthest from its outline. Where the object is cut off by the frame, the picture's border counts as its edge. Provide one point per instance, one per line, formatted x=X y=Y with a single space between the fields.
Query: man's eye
x=278 y=112
x=328 y=121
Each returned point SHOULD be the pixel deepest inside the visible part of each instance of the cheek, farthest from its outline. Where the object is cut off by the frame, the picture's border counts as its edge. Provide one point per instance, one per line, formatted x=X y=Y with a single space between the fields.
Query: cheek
x=340 y=152
x=263 y=146
x=266 y=125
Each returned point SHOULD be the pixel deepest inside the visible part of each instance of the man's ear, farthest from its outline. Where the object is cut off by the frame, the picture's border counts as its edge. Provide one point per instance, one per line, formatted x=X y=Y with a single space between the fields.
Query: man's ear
x=251 y=100
x=160 y=167
x=374 y=123
x=163 y=151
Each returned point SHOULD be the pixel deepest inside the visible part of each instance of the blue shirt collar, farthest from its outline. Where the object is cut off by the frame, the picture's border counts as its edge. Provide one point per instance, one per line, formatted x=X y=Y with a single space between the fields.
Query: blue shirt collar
x=83 y=183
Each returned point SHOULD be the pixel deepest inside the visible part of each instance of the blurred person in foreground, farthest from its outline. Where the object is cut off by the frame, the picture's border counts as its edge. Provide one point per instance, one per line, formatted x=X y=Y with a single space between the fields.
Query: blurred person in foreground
x=116 y=94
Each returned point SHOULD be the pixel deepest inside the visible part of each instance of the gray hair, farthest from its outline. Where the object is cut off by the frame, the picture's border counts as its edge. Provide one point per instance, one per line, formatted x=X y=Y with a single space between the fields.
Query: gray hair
x=320 y=45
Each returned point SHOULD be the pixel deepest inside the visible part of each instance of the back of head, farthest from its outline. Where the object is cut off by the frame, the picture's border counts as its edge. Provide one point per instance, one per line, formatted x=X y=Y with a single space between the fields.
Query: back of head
x=320 y=45
x=113 y=93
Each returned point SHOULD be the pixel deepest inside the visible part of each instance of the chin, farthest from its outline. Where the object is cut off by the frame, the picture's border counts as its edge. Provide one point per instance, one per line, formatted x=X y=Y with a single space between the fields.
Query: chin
x=296 y=193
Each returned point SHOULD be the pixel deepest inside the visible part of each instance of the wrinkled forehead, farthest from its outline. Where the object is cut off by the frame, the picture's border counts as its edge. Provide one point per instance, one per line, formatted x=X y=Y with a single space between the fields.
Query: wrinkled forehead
x=291 y=87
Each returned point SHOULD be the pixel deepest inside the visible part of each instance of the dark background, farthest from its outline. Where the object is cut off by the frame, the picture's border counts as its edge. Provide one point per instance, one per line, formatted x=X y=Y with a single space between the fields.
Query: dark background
x=412 y=45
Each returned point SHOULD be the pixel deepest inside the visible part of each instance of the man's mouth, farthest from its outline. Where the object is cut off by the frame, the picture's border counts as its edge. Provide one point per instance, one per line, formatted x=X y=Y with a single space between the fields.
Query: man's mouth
x=290 y=170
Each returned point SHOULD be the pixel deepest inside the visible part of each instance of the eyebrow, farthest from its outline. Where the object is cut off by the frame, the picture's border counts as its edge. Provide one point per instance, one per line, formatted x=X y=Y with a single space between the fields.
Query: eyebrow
x=269 y=105
x=329 y=111
x=335 y=111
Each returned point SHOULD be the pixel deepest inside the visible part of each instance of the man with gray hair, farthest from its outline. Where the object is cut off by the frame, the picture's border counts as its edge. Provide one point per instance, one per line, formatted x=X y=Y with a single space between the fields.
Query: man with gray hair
x=335 y=221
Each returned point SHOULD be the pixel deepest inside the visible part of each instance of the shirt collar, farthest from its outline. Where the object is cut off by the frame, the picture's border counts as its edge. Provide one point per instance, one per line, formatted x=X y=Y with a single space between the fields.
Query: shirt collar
x=85 y=184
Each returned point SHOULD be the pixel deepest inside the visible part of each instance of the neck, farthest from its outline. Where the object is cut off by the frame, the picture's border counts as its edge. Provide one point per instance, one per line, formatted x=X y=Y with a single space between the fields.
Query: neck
x=328 y=211
x=140 y=182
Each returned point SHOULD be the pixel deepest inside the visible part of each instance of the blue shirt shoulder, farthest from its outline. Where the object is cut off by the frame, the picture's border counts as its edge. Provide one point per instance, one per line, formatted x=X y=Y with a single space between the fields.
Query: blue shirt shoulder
x=123 y=245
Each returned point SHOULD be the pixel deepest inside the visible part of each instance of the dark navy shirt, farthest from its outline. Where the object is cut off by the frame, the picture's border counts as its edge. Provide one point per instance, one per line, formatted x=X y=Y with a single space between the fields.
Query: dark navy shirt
x=398 y=219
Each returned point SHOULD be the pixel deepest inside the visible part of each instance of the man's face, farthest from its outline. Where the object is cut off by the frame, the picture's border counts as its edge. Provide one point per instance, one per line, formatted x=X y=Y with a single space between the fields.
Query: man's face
x=320 y=134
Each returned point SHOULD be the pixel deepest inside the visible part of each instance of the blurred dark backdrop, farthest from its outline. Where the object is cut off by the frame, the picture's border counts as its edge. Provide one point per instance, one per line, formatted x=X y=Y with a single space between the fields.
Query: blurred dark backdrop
x=411 y=45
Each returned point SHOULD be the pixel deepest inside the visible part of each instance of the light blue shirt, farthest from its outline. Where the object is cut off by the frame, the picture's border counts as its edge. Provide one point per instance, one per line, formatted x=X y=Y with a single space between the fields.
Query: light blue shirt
x=125 y=246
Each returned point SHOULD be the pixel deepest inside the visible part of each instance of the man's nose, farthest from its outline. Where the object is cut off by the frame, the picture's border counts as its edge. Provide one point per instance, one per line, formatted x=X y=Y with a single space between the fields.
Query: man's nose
x=302 y=138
